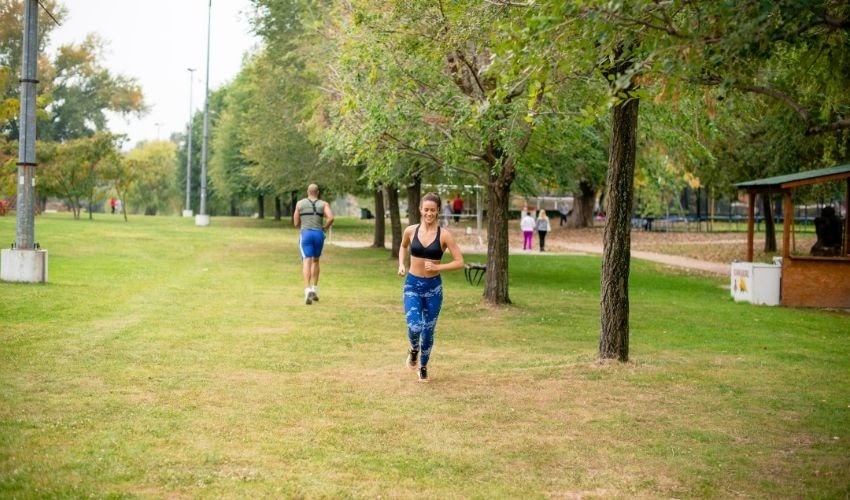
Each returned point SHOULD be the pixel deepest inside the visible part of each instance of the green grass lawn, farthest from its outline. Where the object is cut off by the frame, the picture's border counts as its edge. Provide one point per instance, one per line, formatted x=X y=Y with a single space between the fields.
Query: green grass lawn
x=167 y=360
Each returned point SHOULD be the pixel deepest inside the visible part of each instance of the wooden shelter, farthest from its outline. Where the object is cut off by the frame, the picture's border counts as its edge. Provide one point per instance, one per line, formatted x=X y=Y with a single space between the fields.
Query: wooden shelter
x=807 y=281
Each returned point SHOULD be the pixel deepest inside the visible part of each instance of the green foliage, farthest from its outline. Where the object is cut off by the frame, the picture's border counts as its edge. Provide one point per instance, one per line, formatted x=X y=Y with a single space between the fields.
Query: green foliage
x=280 y=114
x=774 y=70
x=11 y=52
x=82 y=91
x=285 y=110
x=150 y=166
x=75 y=90
x=8 y=168
x=74 y=170
x=417 y=79
x=228 y=166
x=216 y=204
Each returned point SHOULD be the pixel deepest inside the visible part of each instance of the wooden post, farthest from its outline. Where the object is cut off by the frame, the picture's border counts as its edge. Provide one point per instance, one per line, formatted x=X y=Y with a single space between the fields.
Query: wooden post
x=751 y=221
x=788 y=217
x=847 y=219
x=711 y=208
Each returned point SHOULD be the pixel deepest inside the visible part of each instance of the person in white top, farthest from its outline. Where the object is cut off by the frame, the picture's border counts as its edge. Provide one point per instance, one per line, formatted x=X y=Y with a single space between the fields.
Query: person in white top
x=526 y=224
x=447 y=215
x=543 y=227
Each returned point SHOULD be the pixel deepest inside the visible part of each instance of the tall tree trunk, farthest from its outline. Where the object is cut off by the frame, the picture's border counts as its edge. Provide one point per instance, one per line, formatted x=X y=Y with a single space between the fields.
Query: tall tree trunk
x=699 y=209
x=293 y=200
x=380 y=221
x=414 y=197
x=277 y=207
x=233 y=209
x=395 y=219
x=614 y=334
x=261 y=206
x=769 y=225
x=121 y=196
x=496 y=276
x=582 y=215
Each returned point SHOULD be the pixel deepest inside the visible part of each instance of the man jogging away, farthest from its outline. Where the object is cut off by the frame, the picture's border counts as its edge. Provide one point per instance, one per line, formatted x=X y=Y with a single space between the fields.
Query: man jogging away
x=314 y=217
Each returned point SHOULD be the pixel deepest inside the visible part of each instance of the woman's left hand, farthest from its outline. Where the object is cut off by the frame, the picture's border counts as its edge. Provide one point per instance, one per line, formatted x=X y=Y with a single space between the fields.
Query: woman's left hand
x=430 y=266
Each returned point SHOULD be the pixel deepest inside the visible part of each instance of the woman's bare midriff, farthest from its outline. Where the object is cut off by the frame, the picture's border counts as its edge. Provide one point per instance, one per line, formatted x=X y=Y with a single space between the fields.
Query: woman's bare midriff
x=417 y=267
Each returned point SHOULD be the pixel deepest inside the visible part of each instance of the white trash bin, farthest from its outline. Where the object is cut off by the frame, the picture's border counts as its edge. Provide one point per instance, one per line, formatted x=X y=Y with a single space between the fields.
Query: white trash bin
x=756 y=283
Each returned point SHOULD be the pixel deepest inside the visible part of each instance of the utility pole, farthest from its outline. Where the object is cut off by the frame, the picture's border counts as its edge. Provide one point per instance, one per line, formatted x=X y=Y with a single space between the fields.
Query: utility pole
x=187 y=212
x=202 y=219
x=25 y=261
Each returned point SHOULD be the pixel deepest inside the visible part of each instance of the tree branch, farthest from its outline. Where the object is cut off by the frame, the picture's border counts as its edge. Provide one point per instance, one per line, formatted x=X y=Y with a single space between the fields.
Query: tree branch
x=509 y=3
x=404 y=146
x=842 y=124
x=670 y=30
x=780 y=96
x=802 y=112
x=473 y=72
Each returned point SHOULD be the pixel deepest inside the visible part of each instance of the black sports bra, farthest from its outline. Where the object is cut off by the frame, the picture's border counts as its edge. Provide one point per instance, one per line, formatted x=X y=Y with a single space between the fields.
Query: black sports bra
x=434 y=251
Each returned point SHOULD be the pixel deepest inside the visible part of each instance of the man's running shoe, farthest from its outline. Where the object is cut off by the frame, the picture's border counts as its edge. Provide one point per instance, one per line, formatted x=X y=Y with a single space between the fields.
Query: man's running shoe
x=308 y=298
x=423 y=374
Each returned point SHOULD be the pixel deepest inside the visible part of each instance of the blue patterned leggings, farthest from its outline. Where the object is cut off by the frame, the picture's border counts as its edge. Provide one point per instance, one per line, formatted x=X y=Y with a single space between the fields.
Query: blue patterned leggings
x=423 y=298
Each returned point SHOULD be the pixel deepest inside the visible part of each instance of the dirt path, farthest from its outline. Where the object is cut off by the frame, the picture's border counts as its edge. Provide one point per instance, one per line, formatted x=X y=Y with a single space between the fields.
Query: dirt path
x=660 y=247
x=677 y=261
x=669 y=260
x=590 y=242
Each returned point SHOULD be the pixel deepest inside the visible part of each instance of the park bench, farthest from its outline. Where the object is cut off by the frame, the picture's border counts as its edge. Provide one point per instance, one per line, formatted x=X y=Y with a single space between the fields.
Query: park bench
x=474 y=272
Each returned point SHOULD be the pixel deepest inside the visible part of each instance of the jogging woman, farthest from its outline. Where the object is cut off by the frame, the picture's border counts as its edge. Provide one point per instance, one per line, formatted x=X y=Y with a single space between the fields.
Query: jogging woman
x=423 y=287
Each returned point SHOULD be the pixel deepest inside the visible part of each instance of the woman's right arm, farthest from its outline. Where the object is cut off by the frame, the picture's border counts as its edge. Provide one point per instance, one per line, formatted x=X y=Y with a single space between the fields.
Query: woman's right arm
x=402 y=251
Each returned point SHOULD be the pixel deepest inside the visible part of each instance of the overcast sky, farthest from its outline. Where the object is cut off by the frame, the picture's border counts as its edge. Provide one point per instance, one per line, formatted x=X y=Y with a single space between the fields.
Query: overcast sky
x=155 y=41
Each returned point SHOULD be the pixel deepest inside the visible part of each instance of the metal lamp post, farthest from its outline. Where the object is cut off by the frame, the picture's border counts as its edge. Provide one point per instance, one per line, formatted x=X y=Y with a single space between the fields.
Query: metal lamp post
x=187 y=212
x=26 y=262
x=202 y=219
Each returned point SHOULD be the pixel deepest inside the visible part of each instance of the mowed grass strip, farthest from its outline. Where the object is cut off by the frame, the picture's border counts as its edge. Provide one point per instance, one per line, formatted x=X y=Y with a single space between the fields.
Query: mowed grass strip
x=163 y=359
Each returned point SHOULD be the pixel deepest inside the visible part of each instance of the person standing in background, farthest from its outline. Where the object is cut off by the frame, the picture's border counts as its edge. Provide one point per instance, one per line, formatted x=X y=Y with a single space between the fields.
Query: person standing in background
x=543 y=227
x=447 y=215
x=564 y=212
x=457 y=207
x=526 y=224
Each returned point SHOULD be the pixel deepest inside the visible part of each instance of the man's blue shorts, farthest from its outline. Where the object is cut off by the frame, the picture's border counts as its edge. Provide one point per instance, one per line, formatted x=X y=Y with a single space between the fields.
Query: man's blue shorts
x=312 y=241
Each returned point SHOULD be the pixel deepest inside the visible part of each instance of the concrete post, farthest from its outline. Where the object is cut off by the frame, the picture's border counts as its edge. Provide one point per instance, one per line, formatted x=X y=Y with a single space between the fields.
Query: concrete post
x=187 y=211
x=202 y=219
x=26 y=262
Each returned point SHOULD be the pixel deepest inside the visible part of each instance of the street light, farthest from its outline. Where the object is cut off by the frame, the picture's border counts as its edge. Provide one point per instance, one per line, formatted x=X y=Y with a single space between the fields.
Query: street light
x=187 y=212
x=202 y=219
